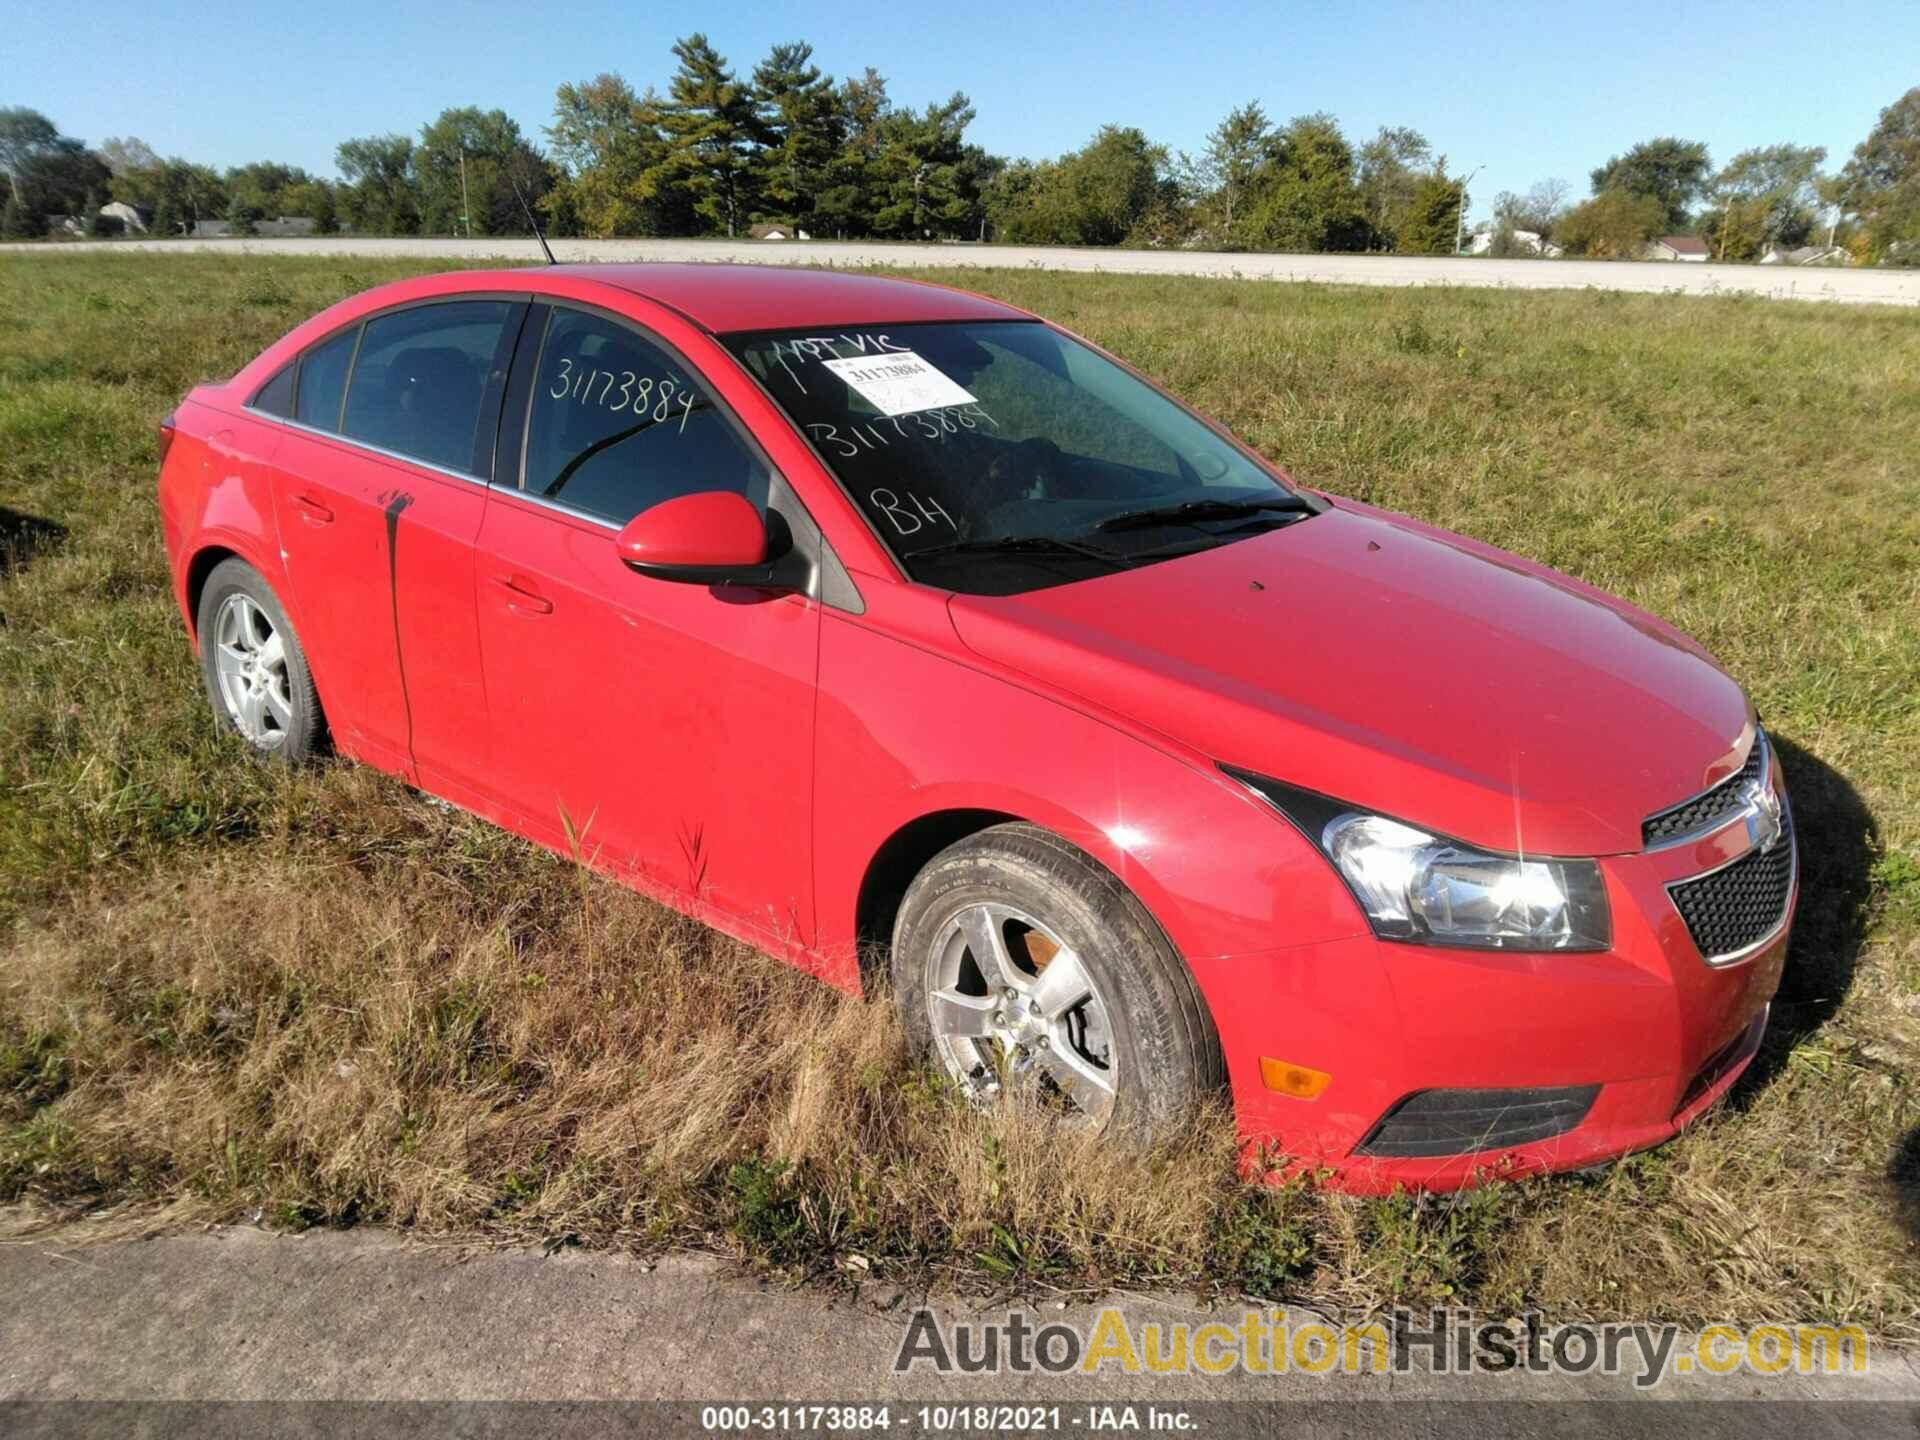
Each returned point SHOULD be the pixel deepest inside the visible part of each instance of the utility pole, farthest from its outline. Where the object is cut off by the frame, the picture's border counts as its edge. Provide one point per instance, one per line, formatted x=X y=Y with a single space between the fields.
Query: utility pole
x=1460 y=217
x=466 y=215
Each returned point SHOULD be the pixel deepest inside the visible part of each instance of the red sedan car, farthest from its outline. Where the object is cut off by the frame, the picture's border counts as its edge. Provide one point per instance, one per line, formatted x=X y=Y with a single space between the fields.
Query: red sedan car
x=893 y=629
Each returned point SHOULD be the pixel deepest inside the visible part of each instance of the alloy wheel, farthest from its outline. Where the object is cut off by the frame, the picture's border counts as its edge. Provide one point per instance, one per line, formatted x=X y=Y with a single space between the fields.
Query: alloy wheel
x=1012 y=1006
x=251 y=660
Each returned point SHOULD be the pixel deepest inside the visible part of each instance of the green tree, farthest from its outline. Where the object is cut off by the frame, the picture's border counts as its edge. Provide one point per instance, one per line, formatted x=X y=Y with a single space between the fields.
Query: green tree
x=1224 y=172
x=1429 y=224
x=925 y=180
x=380 y=195
x=18 y=223
x=849 y=196
x=709 y=125
x=242 y=212
x=1303 y=197
x=49 y=172
x=1764 y=197
x=1392 y=167
x=1880 y=183
x=465 y=168
x=1102 y=194
x=800 y=133
x=261 y=188
x=122 y=154
x=313 y=198
x=24 y=136
x=1613 y=225
x=606 y=149
x=1669 y=170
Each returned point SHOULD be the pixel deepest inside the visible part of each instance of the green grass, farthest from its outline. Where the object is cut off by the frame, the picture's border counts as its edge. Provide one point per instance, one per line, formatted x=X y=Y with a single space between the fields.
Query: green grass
x=228 y=987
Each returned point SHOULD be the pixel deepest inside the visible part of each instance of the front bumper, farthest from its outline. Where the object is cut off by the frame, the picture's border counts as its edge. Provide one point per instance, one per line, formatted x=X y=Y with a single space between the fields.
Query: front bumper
x=1658 y=1029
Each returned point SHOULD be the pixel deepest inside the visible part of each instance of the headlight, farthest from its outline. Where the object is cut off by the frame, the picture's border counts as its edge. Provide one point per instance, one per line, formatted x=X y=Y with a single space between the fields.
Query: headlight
x=1425 y=888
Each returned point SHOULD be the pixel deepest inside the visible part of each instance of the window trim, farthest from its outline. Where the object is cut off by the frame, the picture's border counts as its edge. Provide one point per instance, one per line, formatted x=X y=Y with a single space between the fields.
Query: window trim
x=829 y=585
x=346 y=383
x=528 y=357
x=291 y=373
x=521 y=298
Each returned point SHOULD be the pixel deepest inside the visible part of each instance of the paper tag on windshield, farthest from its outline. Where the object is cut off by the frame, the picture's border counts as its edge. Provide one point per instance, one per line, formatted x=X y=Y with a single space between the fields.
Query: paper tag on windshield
x=898 y=382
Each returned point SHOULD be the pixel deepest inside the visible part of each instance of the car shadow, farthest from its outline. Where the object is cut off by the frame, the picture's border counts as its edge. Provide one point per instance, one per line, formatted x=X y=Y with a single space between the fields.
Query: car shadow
x=24 y=536
x=1903 y=1173
x=1837 y=838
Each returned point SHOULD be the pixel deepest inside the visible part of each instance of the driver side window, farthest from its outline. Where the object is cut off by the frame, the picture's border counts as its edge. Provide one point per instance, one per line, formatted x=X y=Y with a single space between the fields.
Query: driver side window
x=616 y=425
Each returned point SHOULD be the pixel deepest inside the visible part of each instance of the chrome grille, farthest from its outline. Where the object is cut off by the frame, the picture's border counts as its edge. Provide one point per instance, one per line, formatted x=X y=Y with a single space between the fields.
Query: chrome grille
x=1709 y=807
x=1731 y=910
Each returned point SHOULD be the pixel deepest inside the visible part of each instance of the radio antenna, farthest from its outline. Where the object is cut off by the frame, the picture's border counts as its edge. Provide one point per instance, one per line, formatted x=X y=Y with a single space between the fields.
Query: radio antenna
x=538 y=233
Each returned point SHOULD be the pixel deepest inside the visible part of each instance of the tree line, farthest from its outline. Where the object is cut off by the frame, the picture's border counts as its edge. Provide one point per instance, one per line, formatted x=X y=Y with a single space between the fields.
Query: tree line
x=719 y=152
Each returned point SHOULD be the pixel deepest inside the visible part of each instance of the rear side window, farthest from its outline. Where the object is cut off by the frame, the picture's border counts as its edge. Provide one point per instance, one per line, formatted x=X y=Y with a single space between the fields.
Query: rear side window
x=615 y=424
x=421 y=380
x=276 y=396
x=323 y=380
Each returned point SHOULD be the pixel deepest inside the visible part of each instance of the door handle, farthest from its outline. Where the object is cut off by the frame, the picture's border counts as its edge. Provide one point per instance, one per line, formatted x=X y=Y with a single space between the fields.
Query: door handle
x=522 y=599
x=313 y=510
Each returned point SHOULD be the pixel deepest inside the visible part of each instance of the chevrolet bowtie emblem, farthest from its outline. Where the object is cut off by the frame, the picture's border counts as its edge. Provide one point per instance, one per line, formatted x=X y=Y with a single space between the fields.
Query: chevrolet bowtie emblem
x=1763 y=815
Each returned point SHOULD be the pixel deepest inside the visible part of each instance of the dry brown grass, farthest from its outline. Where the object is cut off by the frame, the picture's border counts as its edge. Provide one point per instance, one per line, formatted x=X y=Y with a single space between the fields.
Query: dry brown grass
x=383 y=1010
x=333 y=1030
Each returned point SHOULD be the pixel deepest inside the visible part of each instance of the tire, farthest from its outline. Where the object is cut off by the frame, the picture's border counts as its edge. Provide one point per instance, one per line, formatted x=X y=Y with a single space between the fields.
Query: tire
x=1050 y=904
x=254 y=668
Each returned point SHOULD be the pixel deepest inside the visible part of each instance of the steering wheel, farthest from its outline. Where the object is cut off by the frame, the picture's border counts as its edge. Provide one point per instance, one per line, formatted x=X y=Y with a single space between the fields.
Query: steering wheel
x=1027 y=470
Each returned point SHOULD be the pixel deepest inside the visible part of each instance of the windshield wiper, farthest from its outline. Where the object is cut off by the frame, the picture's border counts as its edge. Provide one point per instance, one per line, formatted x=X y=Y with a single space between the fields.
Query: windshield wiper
x=1023 y=545
x=1188 y=511
x=607 y=442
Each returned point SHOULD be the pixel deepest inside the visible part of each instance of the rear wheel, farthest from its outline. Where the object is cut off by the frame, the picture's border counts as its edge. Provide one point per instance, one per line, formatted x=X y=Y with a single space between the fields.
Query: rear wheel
x=255 y=671
x=1021 y=966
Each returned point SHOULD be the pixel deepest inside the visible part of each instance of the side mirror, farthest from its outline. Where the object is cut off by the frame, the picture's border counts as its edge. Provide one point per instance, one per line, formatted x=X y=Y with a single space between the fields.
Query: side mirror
x=714 y=537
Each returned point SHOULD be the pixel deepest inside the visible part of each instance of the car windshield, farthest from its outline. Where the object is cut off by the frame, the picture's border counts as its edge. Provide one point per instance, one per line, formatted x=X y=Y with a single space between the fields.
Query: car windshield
x=1000 y=457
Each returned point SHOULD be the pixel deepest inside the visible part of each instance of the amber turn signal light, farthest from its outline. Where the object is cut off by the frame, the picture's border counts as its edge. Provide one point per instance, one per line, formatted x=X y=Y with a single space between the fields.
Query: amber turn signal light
x=1299 y=1081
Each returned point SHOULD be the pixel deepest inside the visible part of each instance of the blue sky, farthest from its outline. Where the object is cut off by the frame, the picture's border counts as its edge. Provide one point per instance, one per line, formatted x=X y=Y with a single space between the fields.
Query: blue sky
x=1527 y=91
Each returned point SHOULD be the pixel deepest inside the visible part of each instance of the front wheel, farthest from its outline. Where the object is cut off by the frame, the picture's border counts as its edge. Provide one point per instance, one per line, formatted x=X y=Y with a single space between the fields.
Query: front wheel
x=1019 y=964
x=255 y=671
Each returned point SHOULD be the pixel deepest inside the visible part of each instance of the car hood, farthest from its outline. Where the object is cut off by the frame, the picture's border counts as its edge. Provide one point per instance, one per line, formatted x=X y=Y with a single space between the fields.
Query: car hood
x=1406 y=670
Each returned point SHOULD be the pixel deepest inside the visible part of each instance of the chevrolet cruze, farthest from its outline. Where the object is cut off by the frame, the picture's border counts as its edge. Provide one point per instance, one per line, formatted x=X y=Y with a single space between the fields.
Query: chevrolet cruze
x=900 y=634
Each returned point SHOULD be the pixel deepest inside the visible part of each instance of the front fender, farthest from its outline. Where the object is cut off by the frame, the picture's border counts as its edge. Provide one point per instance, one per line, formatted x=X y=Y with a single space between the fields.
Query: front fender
x=905 y=731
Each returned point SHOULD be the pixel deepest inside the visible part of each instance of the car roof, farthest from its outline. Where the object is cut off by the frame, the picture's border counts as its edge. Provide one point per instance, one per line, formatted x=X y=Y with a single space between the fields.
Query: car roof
x=724 y=298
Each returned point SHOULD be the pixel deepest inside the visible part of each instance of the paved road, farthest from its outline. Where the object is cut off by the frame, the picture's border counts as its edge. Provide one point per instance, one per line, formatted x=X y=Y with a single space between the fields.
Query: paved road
x=1854 y=286
x=243 y=1315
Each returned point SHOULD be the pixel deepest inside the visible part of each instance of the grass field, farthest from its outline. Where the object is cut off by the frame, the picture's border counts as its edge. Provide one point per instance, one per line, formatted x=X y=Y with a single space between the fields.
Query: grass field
x=230 y=989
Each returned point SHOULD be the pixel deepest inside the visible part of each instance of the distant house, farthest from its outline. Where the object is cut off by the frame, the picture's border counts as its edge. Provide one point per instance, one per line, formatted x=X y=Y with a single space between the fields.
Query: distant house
x=1678 y=247
x=132 y=222
x=285 y=228
x=1528 y=240
x=777 y=232
x=1806 y=255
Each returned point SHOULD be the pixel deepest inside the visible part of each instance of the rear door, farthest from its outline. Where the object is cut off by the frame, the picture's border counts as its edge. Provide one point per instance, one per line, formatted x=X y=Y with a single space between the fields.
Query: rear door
x=380 y=490
x=668 y=728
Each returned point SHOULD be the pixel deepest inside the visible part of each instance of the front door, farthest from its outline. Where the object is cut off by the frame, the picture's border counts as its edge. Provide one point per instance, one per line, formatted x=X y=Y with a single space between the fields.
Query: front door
x=665 y=730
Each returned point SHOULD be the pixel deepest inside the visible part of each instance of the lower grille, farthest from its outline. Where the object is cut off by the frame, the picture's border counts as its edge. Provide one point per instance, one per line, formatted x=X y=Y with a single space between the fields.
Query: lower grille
x=1458 y=1122
x=1732 y=909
